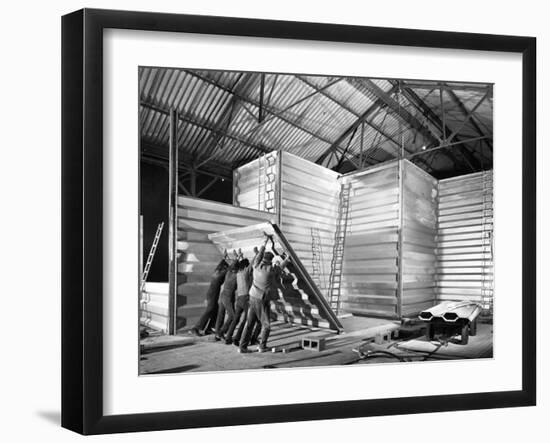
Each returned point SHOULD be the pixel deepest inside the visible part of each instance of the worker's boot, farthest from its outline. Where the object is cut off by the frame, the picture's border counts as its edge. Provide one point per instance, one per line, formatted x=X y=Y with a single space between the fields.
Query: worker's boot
x=195 y=332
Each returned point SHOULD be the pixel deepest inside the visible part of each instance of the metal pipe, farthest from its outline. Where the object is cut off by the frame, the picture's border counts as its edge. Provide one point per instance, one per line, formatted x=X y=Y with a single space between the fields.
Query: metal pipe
x=451 y=312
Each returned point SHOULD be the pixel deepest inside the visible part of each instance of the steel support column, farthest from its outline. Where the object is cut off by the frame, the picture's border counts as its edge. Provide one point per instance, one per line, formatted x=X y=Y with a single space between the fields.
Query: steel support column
x=193 y=182
x=173 y=223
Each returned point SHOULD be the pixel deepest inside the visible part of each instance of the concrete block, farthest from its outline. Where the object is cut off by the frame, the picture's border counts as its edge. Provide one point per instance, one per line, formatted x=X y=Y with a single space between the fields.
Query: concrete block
x=313 y=343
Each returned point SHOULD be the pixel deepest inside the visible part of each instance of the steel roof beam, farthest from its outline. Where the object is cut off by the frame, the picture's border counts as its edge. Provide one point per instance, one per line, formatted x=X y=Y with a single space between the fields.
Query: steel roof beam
x=468 y=117
x=158 y=154
x=340 y=161
x=156 y=108
x=267 y=109
x=360 y=119
x=411 y=121
x=398 y=110
x=223 y=124
x=445 y=145
x=364 y=119
x=444 y=86
x=464 y=111
x=437 y=122
x=276 y=114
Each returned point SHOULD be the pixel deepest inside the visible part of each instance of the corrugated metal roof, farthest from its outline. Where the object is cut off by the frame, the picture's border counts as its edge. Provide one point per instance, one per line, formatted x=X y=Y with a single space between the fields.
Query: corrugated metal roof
x=309 y=115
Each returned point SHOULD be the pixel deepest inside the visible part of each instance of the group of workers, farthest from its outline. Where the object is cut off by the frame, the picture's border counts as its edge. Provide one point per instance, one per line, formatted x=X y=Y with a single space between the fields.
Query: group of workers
x=239 y=297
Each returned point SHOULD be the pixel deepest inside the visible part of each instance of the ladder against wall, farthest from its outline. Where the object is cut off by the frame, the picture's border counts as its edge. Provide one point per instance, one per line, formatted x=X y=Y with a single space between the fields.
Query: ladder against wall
x=151 y=256
x=316 y=258
x=153 y=297
x=335 y=289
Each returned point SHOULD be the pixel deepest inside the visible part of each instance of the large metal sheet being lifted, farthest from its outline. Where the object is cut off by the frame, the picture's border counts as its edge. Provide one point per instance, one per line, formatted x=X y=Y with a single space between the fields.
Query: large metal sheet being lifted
x=300 y=300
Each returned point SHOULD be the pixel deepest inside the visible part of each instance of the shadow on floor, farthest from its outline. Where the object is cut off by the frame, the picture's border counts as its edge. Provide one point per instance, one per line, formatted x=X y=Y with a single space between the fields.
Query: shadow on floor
x=176 y=370
x=165 y=348
x=308 y=358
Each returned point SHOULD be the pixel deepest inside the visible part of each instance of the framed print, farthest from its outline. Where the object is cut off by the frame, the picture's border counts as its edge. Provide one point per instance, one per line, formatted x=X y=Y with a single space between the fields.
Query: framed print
x=271 y=221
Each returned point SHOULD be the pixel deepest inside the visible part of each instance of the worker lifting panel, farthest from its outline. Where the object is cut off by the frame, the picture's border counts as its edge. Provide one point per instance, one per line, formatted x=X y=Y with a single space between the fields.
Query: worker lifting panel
x=197 y=256
x=300 y=300
x=304 y=197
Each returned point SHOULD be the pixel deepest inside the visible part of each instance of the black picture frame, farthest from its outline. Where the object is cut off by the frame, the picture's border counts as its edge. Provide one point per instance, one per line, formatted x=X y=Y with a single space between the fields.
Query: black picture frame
x=82 y=216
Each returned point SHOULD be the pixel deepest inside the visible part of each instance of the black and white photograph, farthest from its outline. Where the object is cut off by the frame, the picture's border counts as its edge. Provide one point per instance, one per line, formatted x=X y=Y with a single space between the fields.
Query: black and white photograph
x=290 y=220
x=265 y=221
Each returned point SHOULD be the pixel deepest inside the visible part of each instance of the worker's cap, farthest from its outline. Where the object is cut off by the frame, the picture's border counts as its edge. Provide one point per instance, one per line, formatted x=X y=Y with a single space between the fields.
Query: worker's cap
x=268 y=258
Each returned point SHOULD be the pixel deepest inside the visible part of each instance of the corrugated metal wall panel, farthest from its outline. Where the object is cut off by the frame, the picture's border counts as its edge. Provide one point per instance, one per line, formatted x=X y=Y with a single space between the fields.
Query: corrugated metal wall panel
x=154 y=306
x=465 y=238
x=443 y=236
x=370 y=268
x=308 y=207
x=419 y=229
x=197 y=254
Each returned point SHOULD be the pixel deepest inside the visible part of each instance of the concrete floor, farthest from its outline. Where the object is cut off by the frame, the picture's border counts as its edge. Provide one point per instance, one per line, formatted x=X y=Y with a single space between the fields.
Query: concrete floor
x=186 y=353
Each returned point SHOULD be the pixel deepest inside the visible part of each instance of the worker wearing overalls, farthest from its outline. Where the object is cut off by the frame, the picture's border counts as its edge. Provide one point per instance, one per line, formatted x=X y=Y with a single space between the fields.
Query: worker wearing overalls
x=227 y=300
x=244 y=277
x=212 y=296
x=262 y=291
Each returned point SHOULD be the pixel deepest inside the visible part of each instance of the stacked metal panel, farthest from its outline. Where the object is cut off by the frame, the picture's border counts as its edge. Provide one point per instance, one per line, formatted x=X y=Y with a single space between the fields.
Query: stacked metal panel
x=308 y=213
x=464 y=239
x=153 y=305
x=197 y=255
x=418 y=245
x=410 y=240
x=370 y=271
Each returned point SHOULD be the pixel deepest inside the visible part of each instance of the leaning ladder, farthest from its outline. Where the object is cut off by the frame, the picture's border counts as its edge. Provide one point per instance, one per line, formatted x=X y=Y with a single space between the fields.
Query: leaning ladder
x=316 y=256
x=151 y=255
x=487 y=245
x=338 y=251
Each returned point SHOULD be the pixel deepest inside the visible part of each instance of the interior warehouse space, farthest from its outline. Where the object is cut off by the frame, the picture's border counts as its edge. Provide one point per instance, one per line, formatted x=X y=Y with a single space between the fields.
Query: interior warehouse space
x=292 y=220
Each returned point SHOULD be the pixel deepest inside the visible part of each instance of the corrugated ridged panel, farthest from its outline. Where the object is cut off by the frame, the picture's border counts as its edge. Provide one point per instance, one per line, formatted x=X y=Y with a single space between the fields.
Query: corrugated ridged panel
x=197 y=255
x=309 y=205
x=464 y=239
x=154 y=306
x=419 y=228
x=370 y=268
